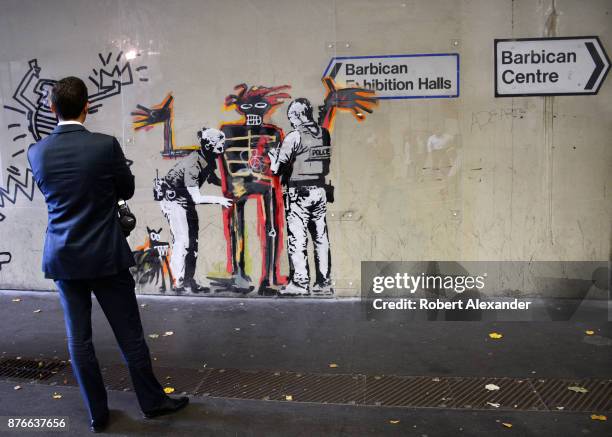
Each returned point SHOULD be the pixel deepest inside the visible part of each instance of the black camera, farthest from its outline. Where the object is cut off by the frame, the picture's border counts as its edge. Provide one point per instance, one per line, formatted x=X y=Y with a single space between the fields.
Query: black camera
x=127 y=220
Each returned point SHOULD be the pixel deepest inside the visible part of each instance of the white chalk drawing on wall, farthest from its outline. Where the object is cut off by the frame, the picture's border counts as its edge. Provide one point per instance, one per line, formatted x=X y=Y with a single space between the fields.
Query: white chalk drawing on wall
x=245 y=150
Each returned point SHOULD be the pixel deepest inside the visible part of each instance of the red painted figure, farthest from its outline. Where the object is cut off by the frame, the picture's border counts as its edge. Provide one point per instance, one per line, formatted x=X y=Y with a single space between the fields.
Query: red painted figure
x=246 y=174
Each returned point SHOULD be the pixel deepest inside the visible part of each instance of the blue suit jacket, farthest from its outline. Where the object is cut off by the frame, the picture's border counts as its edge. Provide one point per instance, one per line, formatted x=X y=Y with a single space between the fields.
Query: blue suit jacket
x=82 y=174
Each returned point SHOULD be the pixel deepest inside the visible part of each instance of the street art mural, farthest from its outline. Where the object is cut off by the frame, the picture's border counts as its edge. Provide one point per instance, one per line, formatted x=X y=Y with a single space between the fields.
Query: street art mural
x=144 y=118
x=178 y=193
x=31 y=97
x=303 y=160
x=250 y=158
x=153 y=262
x=31 y=118
x=246 y=174
x=352 y=99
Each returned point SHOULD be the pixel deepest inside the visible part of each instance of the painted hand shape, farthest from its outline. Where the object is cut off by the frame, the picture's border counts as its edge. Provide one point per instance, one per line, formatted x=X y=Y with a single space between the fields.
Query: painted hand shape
x=144 y=117
x=356 y=100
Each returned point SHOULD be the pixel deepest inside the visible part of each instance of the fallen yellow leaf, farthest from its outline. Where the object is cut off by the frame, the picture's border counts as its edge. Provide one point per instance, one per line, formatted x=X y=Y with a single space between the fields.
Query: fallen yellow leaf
x=394 y=422
x=495 y=335
x=598 y=417
x=577 y=389
x=333 y=365
x=153 y=335
x=507 y=425
x=56 y=395
x=168 y=390
x=288 y=398
x=589 y=332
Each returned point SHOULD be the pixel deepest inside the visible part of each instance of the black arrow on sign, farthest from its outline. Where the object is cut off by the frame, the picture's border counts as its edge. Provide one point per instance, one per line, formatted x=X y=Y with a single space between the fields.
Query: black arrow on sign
x=335 y=70
x=599 y=65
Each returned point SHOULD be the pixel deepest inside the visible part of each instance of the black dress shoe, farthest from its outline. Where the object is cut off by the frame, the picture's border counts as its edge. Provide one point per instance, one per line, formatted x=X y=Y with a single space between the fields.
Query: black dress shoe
x=98 y=425
x=167 y=407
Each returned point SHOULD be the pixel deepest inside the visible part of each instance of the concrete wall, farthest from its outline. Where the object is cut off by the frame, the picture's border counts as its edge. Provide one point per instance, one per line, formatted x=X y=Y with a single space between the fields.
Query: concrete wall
x=521 y=178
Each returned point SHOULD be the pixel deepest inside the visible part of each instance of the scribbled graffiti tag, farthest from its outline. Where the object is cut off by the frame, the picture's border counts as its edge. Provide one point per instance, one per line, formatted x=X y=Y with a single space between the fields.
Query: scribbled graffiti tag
x=5 y=258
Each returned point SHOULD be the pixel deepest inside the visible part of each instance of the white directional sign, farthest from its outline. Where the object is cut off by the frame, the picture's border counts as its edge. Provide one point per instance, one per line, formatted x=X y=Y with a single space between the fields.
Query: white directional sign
x=549 y=66
x=399 y=76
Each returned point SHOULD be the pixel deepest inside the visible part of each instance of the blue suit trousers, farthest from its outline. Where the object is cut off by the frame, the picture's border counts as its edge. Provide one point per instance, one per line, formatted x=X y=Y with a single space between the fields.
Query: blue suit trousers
x=117 y=297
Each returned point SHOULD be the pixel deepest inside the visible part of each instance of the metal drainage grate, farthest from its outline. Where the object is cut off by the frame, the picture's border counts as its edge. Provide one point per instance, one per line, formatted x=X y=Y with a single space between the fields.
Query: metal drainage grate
x=402 y=391
x=233 y=383
x=513 y=394
x=280 y=386
x=36 y=370
x=326 y=389
x=399 y=391
x=556 y=395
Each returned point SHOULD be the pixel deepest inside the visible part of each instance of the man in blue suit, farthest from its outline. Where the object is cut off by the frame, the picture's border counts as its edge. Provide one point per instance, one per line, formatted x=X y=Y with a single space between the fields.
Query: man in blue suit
x=82 y=175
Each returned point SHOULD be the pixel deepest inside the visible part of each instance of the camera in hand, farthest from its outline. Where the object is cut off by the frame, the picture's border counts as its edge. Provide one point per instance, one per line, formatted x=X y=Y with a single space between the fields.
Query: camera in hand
x=127 y=220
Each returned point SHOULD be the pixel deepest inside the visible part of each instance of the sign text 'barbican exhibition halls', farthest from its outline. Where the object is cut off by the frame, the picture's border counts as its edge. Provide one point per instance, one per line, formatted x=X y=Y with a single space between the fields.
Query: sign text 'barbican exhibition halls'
x=399 y=76
x=549 y=66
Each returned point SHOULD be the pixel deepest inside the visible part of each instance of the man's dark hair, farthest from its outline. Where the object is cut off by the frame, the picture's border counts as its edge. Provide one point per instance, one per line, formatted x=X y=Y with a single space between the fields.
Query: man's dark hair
x=69 y=96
